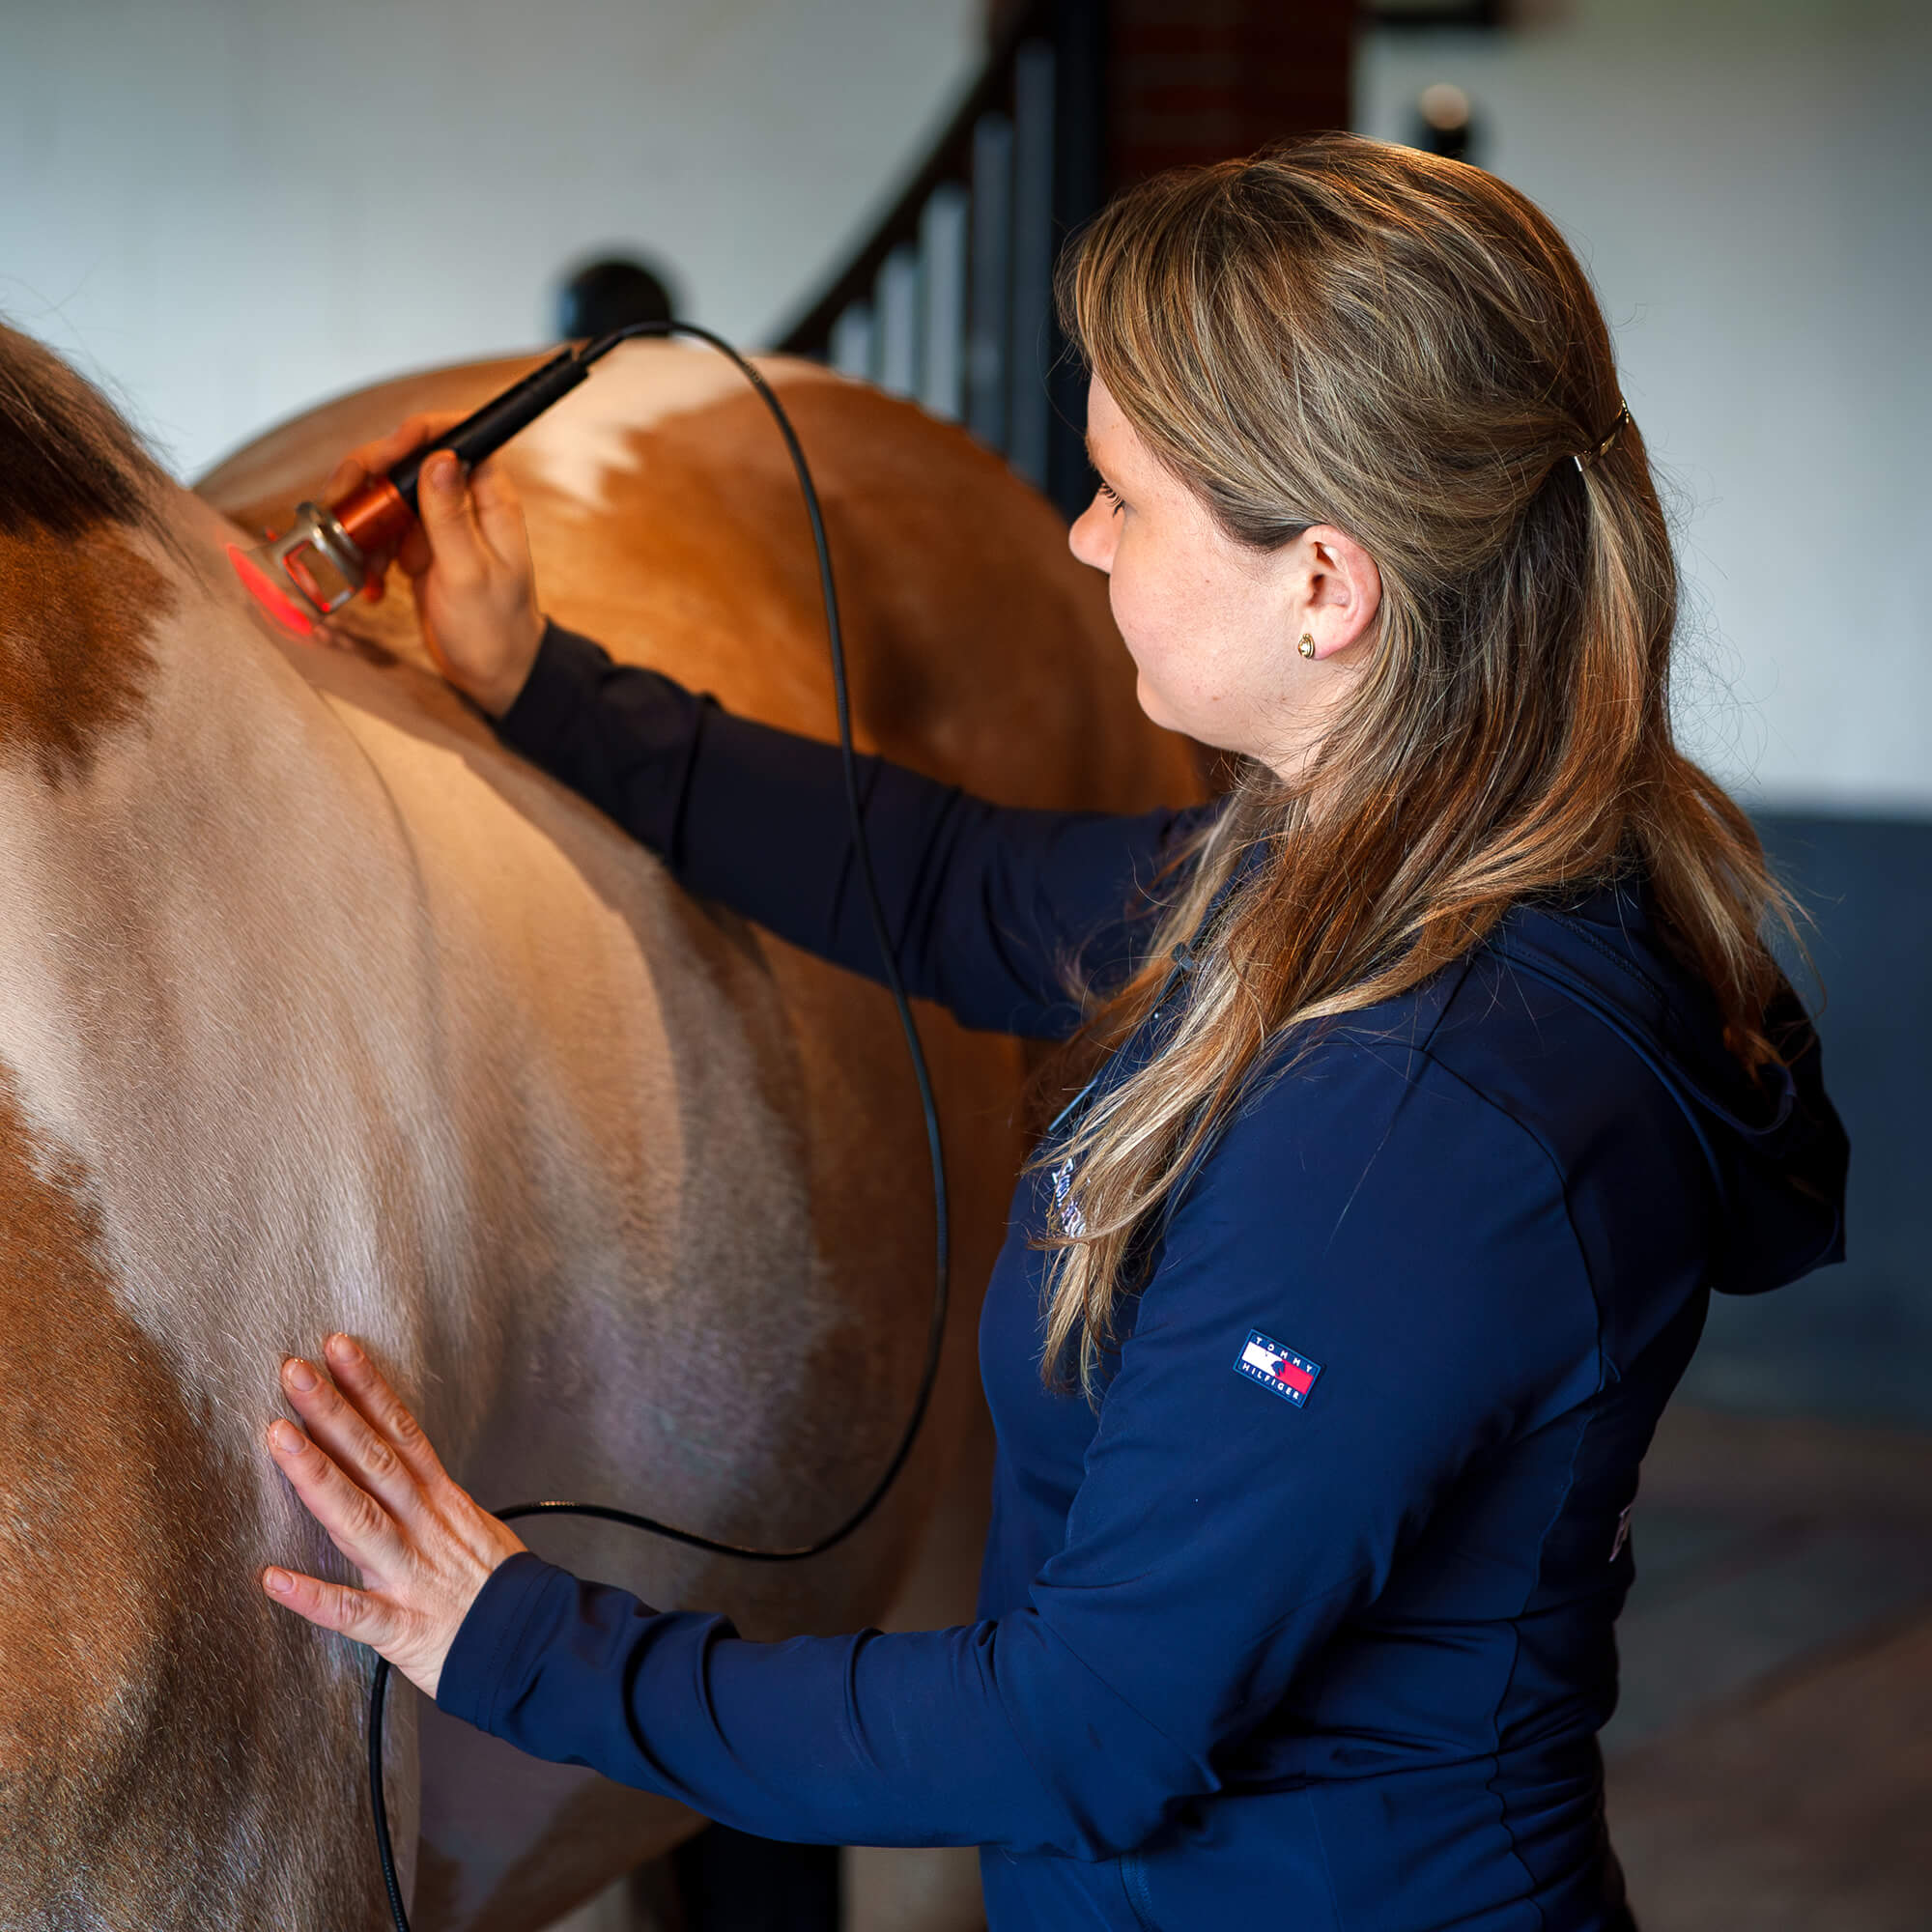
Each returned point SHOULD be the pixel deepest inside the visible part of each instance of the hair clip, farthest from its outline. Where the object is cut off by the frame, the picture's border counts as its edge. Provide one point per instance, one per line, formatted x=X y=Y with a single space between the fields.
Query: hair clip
x=1600 y=449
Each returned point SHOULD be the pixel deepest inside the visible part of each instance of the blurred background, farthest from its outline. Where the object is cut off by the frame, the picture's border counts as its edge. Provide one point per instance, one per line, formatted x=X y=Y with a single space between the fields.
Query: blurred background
x=228 y=209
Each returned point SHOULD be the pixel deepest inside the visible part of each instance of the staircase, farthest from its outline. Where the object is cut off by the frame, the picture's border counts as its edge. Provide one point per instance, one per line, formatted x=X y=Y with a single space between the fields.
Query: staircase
x=949 y=299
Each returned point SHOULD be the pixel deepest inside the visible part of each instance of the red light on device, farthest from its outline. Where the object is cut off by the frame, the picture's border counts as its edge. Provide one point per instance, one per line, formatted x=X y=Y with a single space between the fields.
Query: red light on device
x=261 y=587
x=327 y=556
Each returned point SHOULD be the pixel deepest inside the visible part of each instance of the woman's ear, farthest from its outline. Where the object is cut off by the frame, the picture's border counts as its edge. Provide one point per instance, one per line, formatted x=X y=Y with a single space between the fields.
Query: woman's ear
x=1343 y=590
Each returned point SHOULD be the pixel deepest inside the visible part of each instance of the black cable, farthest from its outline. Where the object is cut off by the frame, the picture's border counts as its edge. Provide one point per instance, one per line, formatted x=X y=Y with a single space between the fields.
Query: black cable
x=936 y=1333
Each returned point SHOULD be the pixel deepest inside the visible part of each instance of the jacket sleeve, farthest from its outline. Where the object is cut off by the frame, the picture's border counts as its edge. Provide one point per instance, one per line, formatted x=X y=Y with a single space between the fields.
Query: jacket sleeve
x=1398 y=1232
x=987 y=907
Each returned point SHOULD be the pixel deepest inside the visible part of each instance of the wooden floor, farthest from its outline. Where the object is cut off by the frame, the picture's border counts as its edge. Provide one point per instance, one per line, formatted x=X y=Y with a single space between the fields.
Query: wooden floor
x=1771 y=1769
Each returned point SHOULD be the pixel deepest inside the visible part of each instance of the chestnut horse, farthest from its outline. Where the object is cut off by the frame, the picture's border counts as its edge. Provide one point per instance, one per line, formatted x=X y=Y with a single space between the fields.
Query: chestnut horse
x=323 y=1011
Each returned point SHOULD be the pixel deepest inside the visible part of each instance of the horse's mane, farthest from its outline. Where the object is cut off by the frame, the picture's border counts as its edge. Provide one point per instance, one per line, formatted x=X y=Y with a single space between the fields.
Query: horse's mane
x=74 y=484
x=69 y=463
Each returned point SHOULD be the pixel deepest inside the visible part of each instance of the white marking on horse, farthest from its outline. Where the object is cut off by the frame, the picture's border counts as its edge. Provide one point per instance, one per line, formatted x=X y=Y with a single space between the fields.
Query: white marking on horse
x=590 y=435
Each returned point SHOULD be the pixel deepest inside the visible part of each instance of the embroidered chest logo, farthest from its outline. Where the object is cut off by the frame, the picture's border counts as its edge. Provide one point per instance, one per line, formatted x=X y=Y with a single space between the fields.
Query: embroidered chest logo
x=1066 y=1215
x=1287 y=1374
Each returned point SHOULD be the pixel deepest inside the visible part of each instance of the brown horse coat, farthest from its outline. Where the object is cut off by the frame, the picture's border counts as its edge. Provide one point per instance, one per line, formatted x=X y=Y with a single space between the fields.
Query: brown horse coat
x=320 y=1010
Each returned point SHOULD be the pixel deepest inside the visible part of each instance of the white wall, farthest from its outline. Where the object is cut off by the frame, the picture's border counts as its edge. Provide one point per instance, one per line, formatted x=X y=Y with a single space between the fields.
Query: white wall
x=229 y=209
x=1750 y=182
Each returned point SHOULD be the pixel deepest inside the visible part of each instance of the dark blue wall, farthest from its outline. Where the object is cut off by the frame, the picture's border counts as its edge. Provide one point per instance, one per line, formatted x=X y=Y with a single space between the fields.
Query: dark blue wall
x=1854 y=1341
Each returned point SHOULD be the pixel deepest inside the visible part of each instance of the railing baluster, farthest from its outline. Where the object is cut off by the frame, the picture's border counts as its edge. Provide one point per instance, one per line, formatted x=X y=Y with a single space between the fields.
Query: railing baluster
x=896 y=309
x=942 y=247
x=991 y=326
x=851 y=346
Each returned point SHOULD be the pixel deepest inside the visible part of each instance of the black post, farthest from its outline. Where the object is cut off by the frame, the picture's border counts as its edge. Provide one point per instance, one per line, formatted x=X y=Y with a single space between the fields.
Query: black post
x=1079 y=185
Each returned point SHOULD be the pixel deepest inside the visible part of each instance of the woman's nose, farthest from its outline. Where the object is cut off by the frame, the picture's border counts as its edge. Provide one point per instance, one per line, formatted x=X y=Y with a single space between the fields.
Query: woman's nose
x=1091 y=537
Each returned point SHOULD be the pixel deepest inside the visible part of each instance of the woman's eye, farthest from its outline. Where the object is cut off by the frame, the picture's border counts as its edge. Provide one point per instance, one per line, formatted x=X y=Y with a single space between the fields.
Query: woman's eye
x=1112 y=496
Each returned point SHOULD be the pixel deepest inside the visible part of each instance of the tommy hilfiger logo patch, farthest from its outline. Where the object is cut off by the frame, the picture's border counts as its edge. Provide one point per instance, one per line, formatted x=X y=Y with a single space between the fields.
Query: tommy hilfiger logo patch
x=1287 y=1374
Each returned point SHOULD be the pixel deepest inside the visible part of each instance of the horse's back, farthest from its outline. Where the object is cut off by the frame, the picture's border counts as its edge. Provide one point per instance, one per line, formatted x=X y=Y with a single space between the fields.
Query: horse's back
x=668 y=523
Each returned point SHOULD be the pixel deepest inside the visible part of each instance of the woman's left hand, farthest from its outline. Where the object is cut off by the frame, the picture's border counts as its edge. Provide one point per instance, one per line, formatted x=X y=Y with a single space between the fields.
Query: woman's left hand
x=365 y=1472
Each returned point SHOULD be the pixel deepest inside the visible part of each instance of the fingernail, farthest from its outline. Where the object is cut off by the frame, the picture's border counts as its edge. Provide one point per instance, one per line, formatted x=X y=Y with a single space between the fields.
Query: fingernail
x=277 y=1581
x=343 y=1348
x=284 y=1438
x=442 y=471
x=298 y=1376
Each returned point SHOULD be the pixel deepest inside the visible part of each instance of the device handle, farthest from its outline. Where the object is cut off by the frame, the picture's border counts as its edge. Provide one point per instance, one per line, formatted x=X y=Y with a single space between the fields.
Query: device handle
x=486 y=431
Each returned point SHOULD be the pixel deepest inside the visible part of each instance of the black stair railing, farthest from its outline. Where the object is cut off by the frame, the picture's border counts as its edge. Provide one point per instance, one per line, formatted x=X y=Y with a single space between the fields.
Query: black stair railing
x=950 y=299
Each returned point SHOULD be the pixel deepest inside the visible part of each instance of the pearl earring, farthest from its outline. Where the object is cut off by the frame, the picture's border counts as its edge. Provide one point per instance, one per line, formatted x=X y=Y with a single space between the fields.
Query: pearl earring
x=1307 y=645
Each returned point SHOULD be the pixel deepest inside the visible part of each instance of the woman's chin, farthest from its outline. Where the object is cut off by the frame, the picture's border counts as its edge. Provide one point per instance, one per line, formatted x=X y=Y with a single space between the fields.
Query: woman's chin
x=1158 y=711
x=1172 y=718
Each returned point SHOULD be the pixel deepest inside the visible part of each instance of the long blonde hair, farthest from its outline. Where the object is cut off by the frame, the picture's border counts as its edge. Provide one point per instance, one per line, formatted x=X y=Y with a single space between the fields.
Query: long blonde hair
x=1345 y=332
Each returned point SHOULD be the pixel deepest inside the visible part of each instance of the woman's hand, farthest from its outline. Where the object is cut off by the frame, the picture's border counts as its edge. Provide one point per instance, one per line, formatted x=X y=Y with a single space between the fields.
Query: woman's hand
x=365 y=1472
x=469 y=562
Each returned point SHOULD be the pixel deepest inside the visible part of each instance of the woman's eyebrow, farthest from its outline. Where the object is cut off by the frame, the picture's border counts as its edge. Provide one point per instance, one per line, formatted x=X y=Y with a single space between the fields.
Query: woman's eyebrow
x=1093 y=457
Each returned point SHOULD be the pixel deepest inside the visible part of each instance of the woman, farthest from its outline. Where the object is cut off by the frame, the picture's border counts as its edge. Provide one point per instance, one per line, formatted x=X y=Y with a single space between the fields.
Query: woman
x=1441 y=1071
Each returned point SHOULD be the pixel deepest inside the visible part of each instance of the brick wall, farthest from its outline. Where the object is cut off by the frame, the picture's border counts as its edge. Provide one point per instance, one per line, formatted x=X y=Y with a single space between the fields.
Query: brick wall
x=1199 y=80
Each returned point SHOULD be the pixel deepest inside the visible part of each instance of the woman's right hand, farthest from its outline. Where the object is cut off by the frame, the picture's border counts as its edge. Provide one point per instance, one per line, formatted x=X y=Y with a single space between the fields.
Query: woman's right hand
x=467 y=561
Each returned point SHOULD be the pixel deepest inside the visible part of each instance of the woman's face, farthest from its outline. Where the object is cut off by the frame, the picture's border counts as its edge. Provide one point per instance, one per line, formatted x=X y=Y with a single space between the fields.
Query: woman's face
x=1211 y=625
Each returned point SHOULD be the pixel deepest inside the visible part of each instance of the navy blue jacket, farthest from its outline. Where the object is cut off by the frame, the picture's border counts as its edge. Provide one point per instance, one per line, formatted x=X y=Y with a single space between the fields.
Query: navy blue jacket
x=1309 y=1623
